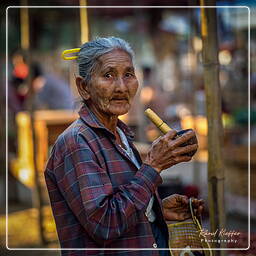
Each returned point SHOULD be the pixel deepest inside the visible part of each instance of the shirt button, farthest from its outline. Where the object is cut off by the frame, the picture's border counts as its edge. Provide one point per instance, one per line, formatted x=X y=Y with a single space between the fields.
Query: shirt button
x=154 y=245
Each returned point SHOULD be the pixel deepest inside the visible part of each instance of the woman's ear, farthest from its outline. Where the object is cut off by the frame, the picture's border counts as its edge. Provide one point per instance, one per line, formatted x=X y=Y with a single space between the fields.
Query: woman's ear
x=82 y=88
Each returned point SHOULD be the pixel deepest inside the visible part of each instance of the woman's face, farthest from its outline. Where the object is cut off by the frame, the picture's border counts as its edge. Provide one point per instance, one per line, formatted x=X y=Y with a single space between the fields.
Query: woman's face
x=113 y=84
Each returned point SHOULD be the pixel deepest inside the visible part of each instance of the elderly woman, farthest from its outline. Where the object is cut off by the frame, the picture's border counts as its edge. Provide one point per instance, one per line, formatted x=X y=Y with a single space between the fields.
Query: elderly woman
x=102 y=194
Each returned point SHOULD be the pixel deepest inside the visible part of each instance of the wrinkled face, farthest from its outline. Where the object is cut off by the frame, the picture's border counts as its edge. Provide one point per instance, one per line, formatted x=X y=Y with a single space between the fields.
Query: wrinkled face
x=113 y=84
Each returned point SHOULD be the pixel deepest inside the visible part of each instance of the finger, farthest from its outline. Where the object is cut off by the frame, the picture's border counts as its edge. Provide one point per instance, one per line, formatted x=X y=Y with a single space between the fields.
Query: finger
x=182 y=200
x=178 y=197
x=170 y=135
x=170 y=215
x=179 y=209
x=198 y=206
x=200 y=210
x=175 y=160
x=171 y=201
x=175 y=201
x=183 y=216
x=183 y=138
x=186 y=149
x=197 y=212
x=196 y=202
x=182 y=158
x=156 y=140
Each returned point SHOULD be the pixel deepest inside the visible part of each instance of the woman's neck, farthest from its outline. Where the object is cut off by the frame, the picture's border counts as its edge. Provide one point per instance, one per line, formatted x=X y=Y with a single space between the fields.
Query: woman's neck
x=109 y=121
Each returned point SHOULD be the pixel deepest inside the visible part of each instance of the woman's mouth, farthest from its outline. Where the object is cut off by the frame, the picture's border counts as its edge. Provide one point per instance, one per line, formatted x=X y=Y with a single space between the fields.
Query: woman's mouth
x=119 y=99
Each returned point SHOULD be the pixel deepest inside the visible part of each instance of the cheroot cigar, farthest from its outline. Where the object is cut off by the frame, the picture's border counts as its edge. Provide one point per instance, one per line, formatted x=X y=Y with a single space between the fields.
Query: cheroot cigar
x=157 y=121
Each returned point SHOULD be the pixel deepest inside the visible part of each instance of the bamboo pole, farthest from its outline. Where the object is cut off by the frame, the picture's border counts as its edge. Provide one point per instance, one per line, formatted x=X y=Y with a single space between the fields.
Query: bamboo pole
x=215 y=130
x=84 y=37
x=37 y=195
x=84 y=22
x=24 y=27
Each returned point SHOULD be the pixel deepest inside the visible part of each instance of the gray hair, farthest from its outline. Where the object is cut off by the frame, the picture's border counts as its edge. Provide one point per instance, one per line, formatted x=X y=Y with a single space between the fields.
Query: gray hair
x=91 y=51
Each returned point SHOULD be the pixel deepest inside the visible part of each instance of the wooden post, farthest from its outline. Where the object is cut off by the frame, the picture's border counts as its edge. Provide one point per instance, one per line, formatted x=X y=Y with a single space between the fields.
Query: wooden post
x=37 y=194
x=84 y=22
x=24 y=27
x=215 y=129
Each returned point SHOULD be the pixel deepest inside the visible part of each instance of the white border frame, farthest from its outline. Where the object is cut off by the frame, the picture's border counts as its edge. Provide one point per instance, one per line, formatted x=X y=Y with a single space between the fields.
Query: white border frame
x=122 y=249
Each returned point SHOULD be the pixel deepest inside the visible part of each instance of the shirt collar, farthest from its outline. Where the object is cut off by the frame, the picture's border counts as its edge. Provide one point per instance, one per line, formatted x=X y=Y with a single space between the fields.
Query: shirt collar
x=90 y=119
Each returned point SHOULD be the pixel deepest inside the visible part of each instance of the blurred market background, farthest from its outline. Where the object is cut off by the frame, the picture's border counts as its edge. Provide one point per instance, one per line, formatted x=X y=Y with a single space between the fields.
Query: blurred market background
x=43 y=101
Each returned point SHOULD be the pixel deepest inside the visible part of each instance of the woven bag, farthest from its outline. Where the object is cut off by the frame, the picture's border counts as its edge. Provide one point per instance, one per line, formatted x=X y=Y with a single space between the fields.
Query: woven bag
x=185 y=235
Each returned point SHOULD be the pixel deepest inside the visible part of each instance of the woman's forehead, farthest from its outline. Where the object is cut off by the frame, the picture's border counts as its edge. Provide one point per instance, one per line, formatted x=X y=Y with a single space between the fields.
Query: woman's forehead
x=114 y=58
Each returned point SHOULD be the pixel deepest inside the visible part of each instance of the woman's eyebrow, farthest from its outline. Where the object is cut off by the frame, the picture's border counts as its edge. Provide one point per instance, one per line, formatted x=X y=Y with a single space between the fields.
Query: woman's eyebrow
x=108 y=68
x=131 y=68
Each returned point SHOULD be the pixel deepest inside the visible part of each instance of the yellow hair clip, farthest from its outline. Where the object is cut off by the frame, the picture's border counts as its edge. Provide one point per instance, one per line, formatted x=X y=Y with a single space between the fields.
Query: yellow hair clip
x=70 y=51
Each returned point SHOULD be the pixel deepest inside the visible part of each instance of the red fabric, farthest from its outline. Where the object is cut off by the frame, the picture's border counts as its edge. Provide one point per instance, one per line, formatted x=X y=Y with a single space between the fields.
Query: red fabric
x=20 y=71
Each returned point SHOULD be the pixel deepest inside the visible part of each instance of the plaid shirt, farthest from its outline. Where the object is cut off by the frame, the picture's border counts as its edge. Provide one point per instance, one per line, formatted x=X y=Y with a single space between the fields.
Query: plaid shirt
x=98 y=195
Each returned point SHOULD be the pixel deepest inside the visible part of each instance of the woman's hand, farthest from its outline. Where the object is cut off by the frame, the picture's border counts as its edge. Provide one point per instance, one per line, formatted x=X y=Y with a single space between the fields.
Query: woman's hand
x=175 y=207
x=167 y=151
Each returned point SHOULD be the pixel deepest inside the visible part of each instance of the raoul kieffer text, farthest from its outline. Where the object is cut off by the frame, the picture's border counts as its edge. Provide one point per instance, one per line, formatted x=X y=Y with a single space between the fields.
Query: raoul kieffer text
x=219 y=233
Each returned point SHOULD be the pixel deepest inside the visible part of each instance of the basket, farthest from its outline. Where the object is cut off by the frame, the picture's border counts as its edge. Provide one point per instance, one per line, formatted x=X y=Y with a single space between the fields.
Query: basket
x=186 y=236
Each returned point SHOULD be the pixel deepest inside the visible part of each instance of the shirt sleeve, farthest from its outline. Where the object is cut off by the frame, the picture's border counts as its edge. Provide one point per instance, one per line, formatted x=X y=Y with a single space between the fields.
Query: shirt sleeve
x=105 y=213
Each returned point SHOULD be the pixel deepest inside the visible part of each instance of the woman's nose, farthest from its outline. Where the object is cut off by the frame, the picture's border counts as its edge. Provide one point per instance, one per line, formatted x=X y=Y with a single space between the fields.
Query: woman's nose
x=121 y=85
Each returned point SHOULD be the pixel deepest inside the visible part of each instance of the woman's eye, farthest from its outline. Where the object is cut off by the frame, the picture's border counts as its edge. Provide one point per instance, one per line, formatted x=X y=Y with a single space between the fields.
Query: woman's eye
x=129 y=74
x=108 y=75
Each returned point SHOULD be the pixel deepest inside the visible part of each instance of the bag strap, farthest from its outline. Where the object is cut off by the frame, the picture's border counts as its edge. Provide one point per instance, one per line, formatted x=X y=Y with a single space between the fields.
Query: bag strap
x=191 y=208
x=197 y=223
x=194 y=218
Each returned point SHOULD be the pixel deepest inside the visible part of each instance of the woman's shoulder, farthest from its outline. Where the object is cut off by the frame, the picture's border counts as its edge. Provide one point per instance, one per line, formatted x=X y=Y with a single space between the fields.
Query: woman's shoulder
x=78 y=134
x=73 y=138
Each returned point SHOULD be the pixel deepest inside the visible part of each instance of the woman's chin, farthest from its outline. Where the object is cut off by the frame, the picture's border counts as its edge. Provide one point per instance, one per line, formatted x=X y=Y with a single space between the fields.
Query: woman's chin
x=119 y=110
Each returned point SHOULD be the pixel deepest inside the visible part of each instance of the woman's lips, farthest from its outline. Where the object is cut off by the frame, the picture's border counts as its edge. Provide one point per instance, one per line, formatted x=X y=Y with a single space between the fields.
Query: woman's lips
x=119 y=99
